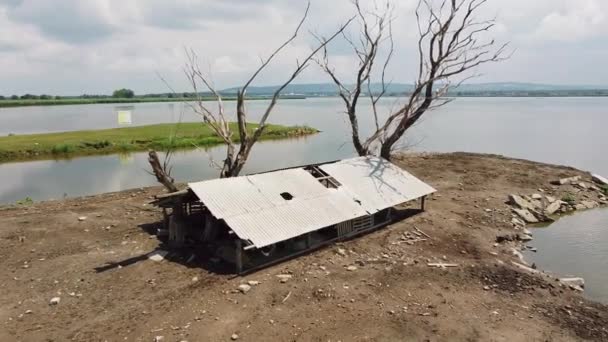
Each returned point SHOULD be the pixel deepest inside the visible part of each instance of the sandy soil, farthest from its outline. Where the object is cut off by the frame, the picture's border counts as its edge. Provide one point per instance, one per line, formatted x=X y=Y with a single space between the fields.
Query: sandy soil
x=110 y=291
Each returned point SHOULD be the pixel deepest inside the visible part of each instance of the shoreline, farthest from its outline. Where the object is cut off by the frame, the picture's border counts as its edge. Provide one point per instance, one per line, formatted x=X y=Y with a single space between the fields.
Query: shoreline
x=393 y=292
x=8 y=103
x=182 y=136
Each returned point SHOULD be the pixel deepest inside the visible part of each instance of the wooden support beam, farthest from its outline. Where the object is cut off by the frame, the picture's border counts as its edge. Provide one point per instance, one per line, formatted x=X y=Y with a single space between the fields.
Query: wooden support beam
x=239 y=256
x=422 y=203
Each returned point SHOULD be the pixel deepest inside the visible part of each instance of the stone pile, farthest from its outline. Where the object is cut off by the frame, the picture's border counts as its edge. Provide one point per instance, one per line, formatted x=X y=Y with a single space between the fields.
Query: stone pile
x=538 y=208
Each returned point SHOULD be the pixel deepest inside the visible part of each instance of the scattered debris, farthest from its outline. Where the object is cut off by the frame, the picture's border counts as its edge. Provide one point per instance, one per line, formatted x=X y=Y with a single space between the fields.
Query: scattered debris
x=244 y=288
x=423 y=233
x=351 y=268
x=234 y=337
x=286 y=297
x=284 y=277
x=158 y=255
x=54 y=301
x=441 y=265
x=82 y=218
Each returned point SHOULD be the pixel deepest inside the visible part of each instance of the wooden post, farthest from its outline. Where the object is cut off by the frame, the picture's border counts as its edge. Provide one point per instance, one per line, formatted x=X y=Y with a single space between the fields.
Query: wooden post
x=239 y=256
x=422 y=202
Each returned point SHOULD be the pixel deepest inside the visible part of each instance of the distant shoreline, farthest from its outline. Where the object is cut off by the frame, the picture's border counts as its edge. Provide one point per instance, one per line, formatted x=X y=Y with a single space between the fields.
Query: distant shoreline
x=80 y=101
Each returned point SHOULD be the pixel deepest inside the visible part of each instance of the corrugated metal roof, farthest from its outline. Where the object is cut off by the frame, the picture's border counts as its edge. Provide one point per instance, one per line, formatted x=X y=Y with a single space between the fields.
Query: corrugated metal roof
x=376 y=182
x=255 y=210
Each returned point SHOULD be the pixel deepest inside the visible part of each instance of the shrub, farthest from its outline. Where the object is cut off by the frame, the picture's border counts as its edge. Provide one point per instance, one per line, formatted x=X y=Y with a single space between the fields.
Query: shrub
x=62 y=149
x=569 y=198
x=25 y=201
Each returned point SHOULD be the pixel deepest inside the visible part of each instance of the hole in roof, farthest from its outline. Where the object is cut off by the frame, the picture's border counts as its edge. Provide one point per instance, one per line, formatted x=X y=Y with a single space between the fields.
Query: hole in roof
x=287 y=196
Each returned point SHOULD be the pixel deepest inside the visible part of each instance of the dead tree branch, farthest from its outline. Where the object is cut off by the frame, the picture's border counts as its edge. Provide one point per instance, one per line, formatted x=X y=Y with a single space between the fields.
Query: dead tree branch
x=238 y=148
x=451 y=44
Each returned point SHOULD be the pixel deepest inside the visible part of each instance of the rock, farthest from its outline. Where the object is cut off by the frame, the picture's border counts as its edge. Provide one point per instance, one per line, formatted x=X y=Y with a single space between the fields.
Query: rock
x=284 y=277
x=525 y=268
x=82 y=218
x=486 y=288
x=517 y=222
x=351 y=268
x=582 y=185
x=540 y=216
x=526 y=215
x=552 y=208
x=158 y=255
x=580 y=207
x=341 y=251
x=253 y=282
x=575 y=283
x=590 y=204
x=244 y=288
x=537 y=196
x=518 y=254
x=520 y=202
x=599 y=179
x=551 y=199
x=504 y=238
x=159 y=338
x=565 y=181
x=525 y=238
x=54 y=301
x=234 y=337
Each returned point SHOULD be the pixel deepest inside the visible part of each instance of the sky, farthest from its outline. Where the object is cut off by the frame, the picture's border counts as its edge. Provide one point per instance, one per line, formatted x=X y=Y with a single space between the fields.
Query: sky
x=72 y=47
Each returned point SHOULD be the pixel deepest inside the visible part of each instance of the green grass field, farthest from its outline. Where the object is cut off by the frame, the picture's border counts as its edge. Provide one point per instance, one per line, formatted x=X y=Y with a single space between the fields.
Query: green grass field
x=141 y=138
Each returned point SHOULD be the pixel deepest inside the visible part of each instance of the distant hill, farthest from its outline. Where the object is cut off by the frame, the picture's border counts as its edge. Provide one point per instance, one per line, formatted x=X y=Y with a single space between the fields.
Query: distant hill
x=474 y=89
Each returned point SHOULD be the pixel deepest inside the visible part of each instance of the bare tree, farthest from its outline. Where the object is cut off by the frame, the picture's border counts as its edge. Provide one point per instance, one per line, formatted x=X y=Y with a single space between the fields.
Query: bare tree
x=216 y=119
x=450 y=44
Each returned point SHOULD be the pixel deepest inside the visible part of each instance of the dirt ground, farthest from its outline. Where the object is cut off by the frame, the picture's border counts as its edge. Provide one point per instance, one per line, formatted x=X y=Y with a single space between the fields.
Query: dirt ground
x=110 y=291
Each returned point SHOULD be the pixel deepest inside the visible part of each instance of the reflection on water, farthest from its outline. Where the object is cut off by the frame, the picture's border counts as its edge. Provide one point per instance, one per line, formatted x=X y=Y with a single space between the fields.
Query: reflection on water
x=576 y=246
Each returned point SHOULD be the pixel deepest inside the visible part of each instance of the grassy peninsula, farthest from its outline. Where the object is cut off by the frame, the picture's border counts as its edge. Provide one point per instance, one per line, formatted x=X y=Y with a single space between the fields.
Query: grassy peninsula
x=126 y=139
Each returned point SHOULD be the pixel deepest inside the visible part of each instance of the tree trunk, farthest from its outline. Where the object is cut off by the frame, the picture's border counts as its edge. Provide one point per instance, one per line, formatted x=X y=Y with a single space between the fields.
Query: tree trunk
x=160 y=173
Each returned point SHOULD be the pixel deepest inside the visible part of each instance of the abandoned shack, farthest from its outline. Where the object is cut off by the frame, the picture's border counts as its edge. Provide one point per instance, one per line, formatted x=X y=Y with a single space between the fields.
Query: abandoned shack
x=255 y=220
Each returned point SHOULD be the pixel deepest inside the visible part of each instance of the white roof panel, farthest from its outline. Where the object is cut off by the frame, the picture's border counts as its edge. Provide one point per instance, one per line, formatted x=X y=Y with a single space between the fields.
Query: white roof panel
x=299 y=217
x=254 y=209
x=376 y=182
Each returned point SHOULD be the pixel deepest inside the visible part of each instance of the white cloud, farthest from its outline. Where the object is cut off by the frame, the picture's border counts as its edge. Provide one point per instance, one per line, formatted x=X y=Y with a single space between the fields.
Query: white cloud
x=94 y=46
x=574 y=21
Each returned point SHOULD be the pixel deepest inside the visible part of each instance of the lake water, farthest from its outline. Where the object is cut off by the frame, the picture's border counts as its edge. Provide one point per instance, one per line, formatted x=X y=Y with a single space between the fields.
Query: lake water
x=569 y=131
x=576 y=246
